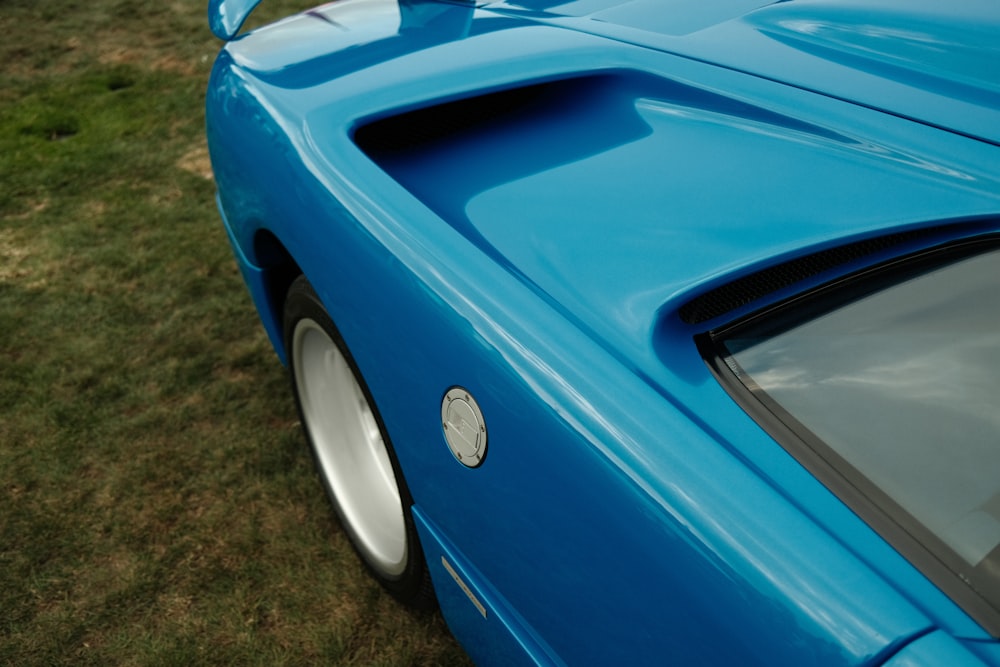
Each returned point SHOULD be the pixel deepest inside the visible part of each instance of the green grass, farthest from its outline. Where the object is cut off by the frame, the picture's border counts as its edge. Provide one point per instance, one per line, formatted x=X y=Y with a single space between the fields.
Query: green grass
x=159 y=505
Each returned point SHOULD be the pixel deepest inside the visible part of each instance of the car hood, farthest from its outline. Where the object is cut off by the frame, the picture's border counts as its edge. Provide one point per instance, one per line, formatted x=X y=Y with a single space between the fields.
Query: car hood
x=928 y=61
x=935 y=63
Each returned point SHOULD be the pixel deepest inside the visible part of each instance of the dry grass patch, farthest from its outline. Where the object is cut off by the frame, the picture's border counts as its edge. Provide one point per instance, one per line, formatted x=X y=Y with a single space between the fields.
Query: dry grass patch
x=197 y=162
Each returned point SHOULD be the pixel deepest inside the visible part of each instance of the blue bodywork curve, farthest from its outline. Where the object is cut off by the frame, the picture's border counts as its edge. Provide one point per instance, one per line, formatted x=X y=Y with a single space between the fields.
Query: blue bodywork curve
x=226 y=17
x=518 y=198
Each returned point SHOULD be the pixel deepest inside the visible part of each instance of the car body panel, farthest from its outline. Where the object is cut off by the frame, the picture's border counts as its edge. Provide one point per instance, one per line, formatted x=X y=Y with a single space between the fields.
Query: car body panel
x=936 y=648
x=226 y=17
x=564 y=328
x=494 y=632
x=918 y=59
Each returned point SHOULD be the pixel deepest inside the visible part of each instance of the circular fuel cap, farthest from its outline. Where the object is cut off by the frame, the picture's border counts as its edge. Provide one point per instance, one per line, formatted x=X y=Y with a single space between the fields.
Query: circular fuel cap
x=464 y=426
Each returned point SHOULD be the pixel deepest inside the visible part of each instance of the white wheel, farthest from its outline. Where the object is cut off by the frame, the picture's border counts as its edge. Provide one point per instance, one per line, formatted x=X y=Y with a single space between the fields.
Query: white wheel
x=349 y=448
x=352 y=451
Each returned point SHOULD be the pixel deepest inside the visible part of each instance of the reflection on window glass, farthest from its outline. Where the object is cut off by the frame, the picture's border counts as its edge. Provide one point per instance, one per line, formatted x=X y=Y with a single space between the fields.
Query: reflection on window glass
x=904 y=384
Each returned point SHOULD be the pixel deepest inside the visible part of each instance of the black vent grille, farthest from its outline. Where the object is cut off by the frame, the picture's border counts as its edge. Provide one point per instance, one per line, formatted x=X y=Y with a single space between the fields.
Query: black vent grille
x=738 y=293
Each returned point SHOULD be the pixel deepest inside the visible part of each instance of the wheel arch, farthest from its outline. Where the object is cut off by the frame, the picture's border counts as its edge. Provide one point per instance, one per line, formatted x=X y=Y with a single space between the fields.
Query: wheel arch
x=278 y=270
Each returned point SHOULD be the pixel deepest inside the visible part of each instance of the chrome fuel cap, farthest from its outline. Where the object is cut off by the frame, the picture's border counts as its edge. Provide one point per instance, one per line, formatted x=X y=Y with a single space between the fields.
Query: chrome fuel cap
x=464 y=426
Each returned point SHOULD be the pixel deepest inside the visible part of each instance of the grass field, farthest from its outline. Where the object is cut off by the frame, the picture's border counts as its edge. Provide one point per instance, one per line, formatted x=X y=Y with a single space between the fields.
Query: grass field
x=159 y=506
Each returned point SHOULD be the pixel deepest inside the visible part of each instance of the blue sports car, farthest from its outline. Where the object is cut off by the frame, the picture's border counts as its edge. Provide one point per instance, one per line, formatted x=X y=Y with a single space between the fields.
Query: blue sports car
x=640 y=331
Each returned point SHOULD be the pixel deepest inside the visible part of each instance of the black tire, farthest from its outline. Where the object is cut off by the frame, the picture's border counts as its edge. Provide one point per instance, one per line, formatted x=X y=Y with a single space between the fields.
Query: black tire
x=353 y=454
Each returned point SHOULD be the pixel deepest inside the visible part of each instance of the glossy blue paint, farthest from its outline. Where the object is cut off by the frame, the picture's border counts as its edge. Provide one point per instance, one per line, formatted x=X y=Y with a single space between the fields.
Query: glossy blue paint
x=934 y=649
x=226 y=17
x=628 y=511
x=924 y=60
x=494 y=634
x=256 y=280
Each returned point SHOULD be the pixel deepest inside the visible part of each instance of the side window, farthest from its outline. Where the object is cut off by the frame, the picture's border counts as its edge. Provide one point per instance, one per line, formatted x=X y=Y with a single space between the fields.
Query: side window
x=890 y=384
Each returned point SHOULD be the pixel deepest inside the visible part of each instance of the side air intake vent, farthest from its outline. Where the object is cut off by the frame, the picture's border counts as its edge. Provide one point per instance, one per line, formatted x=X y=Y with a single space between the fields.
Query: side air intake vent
x=748 y=289
x=415 y=129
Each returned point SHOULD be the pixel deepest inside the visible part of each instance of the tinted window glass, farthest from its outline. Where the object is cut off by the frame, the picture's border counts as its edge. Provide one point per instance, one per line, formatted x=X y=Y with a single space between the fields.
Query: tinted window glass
x=900 y=378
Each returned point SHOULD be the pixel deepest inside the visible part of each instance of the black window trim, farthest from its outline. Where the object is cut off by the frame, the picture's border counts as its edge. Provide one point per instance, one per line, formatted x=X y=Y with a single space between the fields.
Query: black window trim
x=917 y=544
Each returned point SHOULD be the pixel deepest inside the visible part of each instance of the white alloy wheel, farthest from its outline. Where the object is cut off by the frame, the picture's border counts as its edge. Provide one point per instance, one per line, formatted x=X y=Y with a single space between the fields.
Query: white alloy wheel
x=349 y=449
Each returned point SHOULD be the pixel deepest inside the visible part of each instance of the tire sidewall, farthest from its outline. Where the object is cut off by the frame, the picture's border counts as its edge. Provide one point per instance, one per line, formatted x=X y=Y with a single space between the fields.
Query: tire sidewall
x=412 y=585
